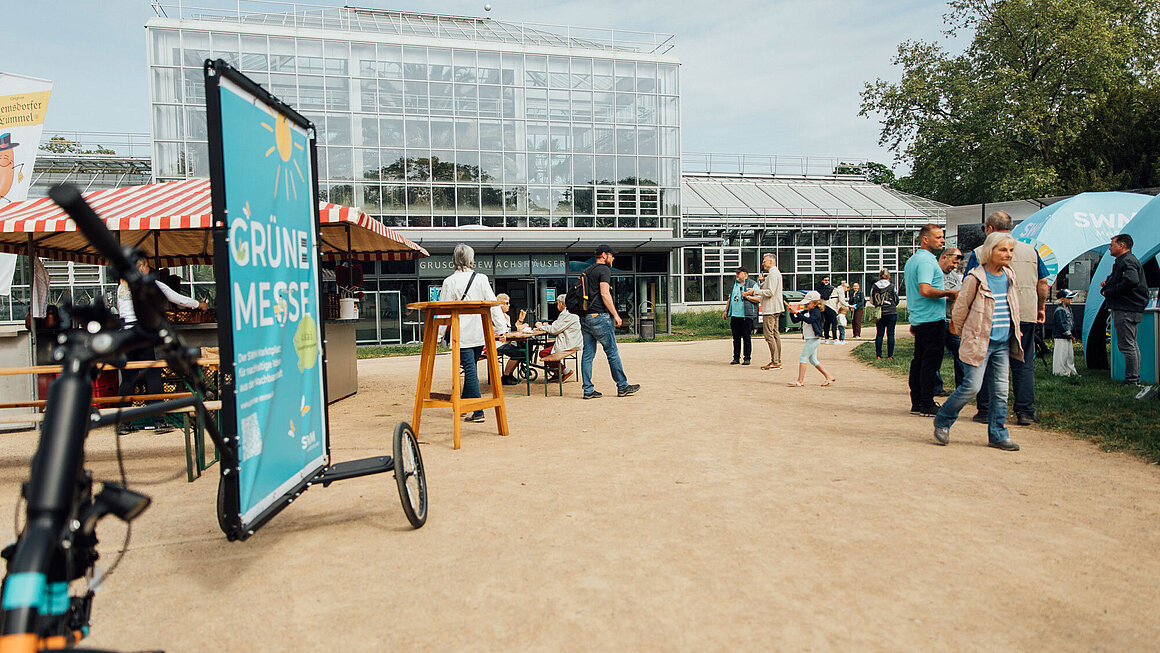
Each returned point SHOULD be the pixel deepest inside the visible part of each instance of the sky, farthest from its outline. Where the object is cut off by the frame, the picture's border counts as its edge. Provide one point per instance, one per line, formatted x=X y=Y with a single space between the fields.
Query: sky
x=767 y=77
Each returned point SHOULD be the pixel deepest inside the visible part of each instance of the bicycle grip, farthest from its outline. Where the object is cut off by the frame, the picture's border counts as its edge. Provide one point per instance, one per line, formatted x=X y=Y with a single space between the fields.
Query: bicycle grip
x=68 y=197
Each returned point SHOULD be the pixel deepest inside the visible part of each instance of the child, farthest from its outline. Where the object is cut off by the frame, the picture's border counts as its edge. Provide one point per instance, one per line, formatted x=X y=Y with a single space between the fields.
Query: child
x=811 y=318
x=1063 y=325
x=841 y=326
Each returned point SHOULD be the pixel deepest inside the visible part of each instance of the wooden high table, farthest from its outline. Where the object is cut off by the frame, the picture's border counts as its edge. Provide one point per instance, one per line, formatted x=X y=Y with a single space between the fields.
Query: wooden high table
x=448 y=314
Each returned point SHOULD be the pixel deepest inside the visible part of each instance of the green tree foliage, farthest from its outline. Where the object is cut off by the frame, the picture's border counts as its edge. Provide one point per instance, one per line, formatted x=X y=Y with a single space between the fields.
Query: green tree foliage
x=874 y=172
x=61 y=145
x=1050 y=97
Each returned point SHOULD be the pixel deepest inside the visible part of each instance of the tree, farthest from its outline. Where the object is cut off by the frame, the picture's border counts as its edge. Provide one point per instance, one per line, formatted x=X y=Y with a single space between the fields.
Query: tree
x=1050 y=97
x=874 y=172
x=61 y=145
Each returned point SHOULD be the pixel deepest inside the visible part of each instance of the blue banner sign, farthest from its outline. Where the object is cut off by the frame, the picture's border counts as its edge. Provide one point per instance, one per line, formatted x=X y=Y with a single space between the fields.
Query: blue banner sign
x=279 y=392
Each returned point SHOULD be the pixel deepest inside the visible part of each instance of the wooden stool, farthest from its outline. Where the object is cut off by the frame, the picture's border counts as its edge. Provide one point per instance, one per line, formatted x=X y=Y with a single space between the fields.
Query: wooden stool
x=447 y=314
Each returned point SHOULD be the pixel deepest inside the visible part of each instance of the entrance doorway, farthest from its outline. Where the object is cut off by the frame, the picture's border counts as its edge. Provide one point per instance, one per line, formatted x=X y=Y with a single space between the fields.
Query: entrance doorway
x=522 y=292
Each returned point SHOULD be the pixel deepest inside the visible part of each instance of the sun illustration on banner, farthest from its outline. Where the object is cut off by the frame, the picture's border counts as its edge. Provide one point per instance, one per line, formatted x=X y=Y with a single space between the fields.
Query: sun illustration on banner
x=284 y=144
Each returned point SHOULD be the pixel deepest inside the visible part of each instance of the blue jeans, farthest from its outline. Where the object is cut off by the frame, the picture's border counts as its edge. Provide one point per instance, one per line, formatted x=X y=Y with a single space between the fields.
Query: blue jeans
x=1022 y=376
x=995 y=367
x=810 y=352
x=467 y=360
x=597 y=328
x=953 y=342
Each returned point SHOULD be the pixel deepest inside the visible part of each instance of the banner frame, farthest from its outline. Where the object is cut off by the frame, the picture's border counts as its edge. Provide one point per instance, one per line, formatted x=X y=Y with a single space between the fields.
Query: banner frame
x=229 y=500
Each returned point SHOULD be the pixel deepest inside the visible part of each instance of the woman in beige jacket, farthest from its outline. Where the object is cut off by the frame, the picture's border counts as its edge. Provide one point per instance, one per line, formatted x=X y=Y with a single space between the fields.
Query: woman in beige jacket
x=985 y=316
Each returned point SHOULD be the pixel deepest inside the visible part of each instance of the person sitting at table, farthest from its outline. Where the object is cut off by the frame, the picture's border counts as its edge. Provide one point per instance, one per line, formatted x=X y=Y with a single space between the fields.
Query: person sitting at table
x=513 y=350
x=568 y=334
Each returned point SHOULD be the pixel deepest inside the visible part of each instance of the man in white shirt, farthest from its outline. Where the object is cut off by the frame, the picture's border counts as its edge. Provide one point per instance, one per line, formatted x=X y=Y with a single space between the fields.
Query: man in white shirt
x=567 y=330
x=772 y=306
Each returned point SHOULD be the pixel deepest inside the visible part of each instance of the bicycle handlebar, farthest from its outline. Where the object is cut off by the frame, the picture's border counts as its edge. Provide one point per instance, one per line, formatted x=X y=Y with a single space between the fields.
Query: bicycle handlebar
x=68 y=197
x=147 y=298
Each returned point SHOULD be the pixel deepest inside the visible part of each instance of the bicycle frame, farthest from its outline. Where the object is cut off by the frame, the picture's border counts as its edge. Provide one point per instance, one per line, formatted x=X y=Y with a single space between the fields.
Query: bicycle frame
x=58 y=543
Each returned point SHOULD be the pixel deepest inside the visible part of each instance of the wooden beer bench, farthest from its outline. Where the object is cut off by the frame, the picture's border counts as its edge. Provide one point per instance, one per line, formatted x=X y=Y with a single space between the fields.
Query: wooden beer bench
x=195 y=447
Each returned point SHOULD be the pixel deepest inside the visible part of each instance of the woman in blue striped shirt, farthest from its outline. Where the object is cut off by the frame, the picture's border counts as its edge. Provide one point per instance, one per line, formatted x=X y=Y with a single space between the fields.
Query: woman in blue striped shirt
x=983 y=318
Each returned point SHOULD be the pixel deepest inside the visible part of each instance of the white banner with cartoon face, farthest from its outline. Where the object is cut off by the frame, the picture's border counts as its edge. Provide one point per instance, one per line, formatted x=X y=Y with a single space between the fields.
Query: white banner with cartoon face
x=23 y=103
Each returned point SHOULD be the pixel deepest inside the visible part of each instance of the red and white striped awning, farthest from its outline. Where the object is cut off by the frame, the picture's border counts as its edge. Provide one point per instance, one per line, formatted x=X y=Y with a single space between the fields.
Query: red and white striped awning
x=172 y=223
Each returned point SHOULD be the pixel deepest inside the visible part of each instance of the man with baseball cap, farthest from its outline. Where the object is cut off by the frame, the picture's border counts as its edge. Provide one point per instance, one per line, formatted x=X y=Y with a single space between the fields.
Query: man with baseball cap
x=1062 y=329
x=597 y=325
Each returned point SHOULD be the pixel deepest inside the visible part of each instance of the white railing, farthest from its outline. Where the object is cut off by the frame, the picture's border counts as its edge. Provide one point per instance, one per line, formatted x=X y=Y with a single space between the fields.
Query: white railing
x=297 y=14
x=82 y=142
x=765 y=164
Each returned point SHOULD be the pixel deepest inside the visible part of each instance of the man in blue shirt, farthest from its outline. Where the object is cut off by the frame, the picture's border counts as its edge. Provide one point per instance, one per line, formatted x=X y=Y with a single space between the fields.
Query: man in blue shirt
x=1027 y=265
x=742 y=314
x=927 y=306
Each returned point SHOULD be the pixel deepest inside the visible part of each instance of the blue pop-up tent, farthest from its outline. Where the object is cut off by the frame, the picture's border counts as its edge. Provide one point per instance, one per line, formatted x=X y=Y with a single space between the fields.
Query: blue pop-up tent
x=1145 y=232
x=1066 y=230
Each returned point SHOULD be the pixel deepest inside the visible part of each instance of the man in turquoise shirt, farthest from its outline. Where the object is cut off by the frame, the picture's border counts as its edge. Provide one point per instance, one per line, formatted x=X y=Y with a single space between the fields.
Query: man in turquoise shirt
x=926 y=303
x=742 y=313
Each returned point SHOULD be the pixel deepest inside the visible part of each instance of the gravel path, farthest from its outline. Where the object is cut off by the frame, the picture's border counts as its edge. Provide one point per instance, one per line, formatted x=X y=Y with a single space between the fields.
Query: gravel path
x=717 y=509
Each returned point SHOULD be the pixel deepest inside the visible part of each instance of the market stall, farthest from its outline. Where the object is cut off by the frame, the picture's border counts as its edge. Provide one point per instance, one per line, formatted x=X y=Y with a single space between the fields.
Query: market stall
x=172 y=224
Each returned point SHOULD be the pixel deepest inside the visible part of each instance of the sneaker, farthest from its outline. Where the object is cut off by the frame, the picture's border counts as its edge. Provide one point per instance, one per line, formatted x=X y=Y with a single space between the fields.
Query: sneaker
x=734 y=362
x=161 y=426
x=595 y=394
x=1005 y=445
x=980 y=418
x=508 y=379
x=745 y=362
x=474 y=417
x=125 y=429
x=931 y=410
x=943 y=435
x=1024 y=419
x=567 y=375
x=627 y=390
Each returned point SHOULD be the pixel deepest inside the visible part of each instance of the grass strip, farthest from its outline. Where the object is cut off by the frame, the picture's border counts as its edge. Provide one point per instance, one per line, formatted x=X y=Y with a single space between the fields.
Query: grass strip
x=1090 y=406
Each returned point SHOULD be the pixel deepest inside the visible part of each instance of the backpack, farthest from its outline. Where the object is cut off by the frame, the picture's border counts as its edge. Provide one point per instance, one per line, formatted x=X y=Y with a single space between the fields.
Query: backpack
x=576 y=301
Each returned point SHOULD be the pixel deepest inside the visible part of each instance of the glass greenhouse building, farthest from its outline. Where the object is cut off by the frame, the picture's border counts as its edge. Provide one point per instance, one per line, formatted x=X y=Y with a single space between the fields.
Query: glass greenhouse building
x=531 y=143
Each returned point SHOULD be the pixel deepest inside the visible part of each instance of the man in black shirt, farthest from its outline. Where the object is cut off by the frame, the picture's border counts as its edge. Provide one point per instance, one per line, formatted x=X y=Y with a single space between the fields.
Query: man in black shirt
x=597 y=326
x=1126 y=294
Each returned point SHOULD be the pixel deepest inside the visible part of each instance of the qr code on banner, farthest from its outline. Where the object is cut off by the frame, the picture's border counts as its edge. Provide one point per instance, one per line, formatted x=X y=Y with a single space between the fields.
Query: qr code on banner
x=251 y=437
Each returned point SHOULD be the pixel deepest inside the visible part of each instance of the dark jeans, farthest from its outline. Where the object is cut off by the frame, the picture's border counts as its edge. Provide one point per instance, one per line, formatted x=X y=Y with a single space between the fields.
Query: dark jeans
x=129 y=378
x=1126 y=323
x=1022 y=376
x=742 y=328
x=885 y=326
x=953 y=343
x=929 y=342
x=467 y=361
x=829 y=323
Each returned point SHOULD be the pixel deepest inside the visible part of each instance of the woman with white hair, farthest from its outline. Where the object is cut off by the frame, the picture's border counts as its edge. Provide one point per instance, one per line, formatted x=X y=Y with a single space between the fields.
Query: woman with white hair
x=986 y=317
x=465 y=284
